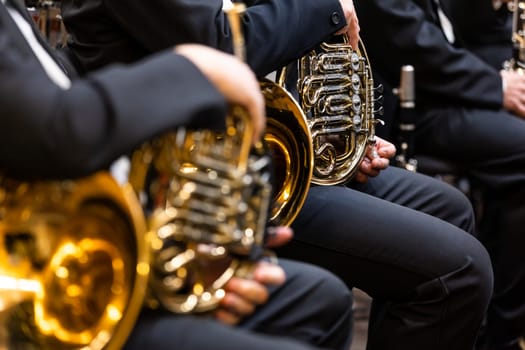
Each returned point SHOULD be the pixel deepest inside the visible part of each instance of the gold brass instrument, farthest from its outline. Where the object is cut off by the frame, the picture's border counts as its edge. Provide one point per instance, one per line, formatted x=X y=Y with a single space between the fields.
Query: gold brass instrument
x=517 y=62
x=73 y=263
x=288 y=137
x=78 y=260
x=336 y=92
x=47 y=17
x=209 y=196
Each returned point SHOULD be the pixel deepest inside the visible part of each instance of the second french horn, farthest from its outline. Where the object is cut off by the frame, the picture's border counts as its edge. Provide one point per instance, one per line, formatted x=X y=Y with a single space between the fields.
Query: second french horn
x=209 y=197
x=336 y=91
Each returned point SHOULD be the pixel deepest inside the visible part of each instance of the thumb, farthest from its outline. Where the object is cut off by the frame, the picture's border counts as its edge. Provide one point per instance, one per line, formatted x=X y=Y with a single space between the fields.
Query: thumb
x=278 y=236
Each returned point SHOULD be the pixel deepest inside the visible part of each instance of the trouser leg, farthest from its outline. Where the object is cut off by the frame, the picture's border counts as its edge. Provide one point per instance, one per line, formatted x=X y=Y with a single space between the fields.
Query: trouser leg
x=435 y=278
x=505 y=242
x=312 y=310
x=162 y=331
x=314 y=306
x=422 y=193
x=491 y=144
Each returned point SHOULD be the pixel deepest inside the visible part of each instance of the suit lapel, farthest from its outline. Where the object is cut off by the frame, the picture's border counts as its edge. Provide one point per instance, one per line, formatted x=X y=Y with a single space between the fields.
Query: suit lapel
x=20 y=7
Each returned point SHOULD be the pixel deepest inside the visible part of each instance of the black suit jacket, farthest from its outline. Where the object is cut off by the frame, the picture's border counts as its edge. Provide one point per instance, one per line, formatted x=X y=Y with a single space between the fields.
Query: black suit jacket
x=276 y=31
x=399 y=32
x=50 y=132
x=482 y=29
x=477 y=22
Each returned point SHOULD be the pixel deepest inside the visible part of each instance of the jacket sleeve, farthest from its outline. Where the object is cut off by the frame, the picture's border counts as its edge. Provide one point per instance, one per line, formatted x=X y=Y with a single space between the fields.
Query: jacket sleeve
x=50 y=132
x=398 y=32
x=276 y=31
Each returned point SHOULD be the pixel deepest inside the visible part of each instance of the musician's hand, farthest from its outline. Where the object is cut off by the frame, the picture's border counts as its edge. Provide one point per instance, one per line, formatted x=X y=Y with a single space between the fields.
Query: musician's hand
x=514 y=92
x=278 y=236
x=352 y=23
x=244 y=295
x=376 y=159
x=233 y=78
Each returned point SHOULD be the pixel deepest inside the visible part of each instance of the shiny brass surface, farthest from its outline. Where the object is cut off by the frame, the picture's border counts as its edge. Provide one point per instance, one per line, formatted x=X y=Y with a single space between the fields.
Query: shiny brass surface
x=47 y=18
x=207 y=200
x=209 y=195
x=78 y=260
x=73 y=263
x=336 y=92
x=517 y=62
x=288 y=137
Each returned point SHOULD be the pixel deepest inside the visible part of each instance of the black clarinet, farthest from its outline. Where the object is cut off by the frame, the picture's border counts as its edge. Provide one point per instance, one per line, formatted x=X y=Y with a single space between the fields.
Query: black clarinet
x=407 y=119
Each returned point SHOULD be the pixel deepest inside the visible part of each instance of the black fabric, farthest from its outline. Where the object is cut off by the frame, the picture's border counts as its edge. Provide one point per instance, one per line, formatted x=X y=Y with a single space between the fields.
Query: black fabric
x=105 y=31
x=459 y=102
x=311 y=311
x=430 y=279
x=445 y=74
x=359 y=233
x=52 y=133
x=97 y=117
x=487 y=33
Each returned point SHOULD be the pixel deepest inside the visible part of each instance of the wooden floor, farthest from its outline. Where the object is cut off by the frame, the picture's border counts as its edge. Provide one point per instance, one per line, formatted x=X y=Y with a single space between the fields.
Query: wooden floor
x=361 y=309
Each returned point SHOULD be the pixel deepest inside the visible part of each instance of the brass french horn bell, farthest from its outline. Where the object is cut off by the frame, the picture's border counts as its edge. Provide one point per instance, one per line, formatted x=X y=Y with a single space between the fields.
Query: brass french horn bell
x=73 y=263
x=211 y=194
x=289 y=139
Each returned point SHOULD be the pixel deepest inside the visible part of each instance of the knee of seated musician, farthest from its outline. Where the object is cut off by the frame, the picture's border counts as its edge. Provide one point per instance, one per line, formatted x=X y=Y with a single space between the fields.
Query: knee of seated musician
x=453 y=206
x=315 y=298
x=469 y=283
x=317 y=304
x=330 y=304
x=317 y=288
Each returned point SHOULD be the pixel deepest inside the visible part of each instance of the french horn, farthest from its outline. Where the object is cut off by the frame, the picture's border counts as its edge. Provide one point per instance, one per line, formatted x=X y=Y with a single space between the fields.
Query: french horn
x=209 y=196
x=74 y=265
x=79 y=259
x=336 y=92
x=207 y=199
